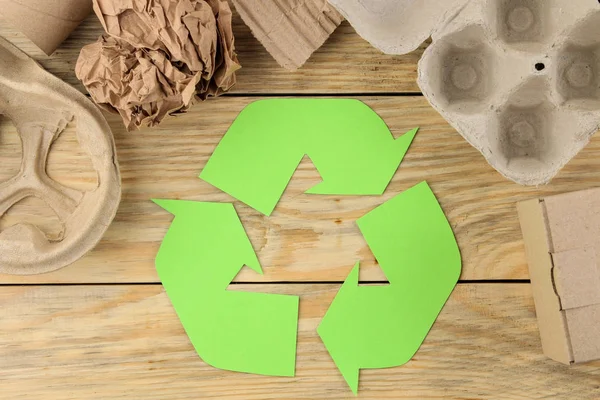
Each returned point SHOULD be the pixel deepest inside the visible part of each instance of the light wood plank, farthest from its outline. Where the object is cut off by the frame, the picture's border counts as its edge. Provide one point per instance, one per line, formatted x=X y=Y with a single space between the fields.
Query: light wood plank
x=309 y=238
x=344 y=64
x=123 y=342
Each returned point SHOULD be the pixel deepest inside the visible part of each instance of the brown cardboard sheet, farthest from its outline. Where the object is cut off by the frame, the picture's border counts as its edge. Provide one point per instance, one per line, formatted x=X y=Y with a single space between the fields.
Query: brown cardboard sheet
x=551 y=321
x=562 y=241
x=290 y=30
x=584 y=333
x=576 y=277
x=574 y=219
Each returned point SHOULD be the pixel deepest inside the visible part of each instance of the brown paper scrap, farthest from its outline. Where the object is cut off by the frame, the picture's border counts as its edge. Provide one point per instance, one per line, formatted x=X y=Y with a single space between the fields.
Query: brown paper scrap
x=290 y=30
x=46 y=22
x=158 y=56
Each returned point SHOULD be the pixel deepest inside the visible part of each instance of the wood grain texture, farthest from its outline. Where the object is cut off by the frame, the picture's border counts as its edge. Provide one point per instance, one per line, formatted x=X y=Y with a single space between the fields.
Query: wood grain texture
x=344 y=64
x=124 y=342
x=308 y=238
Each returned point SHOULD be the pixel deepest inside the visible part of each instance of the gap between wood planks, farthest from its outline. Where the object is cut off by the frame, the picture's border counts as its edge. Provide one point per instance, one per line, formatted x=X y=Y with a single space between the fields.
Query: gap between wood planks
x=317 y=95
x=342 y=94
x=462 y=282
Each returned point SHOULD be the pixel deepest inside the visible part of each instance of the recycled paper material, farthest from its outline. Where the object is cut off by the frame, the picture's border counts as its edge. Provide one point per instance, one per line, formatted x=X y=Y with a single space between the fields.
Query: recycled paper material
x=47 y=23
x=384 y=326
x=349 y=144
x=41 y=106
x=398 y=26
x=203 y=250
x=519 y=81
x=290 y=30
x=158 y=57
x=563 y=252
x=143 y=87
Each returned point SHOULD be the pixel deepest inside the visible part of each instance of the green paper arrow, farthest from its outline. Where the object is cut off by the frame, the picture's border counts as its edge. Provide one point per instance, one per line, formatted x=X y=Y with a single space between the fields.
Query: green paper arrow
x=349 y=144
x=203 y=250
x=384 y=326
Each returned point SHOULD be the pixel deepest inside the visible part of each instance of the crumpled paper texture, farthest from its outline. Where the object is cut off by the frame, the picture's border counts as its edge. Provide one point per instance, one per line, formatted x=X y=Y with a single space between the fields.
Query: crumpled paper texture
x=158 y=56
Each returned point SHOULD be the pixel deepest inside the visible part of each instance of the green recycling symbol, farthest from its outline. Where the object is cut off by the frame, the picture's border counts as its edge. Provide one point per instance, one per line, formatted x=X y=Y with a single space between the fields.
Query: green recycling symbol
x=365 y=326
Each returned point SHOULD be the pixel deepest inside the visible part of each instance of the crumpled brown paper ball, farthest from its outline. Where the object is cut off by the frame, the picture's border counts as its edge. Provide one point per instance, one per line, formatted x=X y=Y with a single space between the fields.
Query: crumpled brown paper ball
x=158 y=56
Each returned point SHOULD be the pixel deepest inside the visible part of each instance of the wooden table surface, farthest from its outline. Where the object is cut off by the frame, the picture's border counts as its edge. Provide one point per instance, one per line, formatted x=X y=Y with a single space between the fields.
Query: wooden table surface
x=103 y=328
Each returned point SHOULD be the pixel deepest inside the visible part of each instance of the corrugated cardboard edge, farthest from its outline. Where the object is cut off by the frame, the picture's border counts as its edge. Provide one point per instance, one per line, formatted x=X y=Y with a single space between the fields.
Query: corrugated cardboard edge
x=291 y=31
x=551 y=320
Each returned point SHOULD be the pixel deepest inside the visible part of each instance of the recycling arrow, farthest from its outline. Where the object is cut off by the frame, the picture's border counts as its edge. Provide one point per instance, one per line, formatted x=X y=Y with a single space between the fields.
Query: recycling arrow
x=383 y=326
x=202 y=252
x=365 y=326
x=349 y=144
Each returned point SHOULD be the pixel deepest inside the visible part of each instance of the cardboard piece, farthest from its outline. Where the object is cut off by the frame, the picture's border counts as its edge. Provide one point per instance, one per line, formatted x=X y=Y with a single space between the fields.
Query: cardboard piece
x=562 y=241
x=349 y=144
x=398 y=26
x=384 y=326
x=158 y=57
x=40 y=106
x=290 y=30
x=518 y=79
x=46 y=22
x=203 y=250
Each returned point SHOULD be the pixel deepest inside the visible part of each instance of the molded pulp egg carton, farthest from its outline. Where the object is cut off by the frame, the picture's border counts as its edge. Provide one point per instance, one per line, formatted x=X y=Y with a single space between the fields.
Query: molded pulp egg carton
x=518 y=79
x=397 y=26
x=40 y=106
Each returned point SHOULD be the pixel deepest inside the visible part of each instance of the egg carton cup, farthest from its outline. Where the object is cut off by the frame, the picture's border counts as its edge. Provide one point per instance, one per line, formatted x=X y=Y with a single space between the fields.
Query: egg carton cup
x=518 y=79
